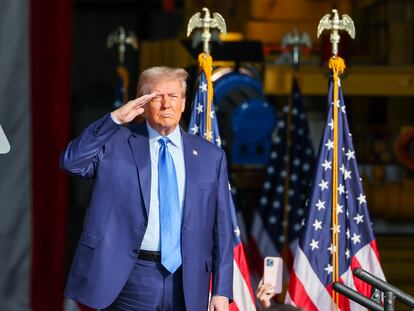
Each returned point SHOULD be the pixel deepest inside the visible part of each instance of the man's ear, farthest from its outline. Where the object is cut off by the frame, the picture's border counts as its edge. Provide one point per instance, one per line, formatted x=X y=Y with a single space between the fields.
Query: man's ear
x=183 y=105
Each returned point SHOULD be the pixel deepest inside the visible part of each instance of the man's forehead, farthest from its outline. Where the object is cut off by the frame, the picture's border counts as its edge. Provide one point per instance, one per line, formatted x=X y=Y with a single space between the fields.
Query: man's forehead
x=166 y=86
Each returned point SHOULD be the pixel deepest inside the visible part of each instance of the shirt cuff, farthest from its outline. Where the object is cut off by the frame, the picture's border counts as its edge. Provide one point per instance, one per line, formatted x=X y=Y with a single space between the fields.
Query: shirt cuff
x=115 y=119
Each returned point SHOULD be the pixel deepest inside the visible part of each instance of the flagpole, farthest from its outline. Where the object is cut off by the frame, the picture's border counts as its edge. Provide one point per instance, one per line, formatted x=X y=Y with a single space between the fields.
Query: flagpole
x=121 y=39
x=204 y=59
x=296 y=40
x=345 y=217
x=203 y=123
x=335 y=183
x=337 y=65
x=285 y=223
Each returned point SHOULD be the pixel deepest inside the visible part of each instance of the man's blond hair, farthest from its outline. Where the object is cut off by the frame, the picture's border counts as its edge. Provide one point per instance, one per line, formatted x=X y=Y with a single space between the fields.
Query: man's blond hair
x=161 y=73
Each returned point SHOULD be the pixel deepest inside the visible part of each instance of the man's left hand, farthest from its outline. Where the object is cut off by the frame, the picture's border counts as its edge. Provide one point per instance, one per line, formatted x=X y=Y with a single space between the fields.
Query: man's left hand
x=219 y=303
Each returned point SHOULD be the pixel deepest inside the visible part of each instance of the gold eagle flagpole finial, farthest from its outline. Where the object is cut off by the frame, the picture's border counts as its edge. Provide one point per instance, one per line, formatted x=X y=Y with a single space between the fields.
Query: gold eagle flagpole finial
x=206 y=23
x=122 y=39
x=334 y=25
x=296 y=40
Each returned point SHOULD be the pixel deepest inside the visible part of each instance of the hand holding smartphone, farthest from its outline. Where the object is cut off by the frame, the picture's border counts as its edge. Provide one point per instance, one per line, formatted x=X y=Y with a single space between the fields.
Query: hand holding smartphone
x=273 y=271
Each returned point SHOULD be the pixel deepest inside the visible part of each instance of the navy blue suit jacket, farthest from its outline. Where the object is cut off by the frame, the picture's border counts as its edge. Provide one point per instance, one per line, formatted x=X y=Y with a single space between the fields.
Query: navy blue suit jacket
x=118 y=158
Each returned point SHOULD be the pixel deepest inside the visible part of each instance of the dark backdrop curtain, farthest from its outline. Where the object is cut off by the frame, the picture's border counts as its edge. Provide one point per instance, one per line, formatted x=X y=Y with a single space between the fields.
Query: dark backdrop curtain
x=51 y=39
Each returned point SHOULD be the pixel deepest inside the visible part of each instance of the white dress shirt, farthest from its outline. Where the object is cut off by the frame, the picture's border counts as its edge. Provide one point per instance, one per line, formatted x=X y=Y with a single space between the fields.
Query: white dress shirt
x=151 y=241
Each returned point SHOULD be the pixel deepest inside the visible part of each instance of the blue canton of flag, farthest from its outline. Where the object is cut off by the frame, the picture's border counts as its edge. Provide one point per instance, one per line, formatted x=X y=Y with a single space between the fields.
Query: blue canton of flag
x=267 y=235
x=119 y=92
x=311 y=279
x=198 y=115
x=242 y=290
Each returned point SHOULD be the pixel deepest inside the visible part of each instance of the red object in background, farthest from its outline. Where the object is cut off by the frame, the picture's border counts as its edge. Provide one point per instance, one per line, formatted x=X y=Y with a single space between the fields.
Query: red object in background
x=269 y=48
x=326 y=48
x=404 y=148
x=168 y=5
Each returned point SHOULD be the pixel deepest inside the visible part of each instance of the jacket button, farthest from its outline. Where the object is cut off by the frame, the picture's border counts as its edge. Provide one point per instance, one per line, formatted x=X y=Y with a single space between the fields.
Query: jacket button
x=134 y=253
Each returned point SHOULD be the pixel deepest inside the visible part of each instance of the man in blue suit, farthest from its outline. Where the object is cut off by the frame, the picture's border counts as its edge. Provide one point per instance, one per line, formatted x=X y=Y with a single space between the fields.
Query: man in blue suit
x=159 y=222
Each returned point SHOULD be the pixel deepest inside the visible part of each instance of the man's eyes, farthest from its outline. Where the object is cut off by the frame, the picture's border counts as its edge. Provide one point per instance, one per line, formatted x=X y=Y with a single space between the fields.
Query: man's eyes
x=158 y=98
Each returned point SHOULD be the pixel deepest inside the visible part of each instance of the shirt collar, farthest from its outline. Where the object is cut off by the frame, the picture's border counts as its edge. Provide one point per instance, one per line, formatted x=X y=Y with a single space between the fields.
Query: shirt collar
x=174 y=136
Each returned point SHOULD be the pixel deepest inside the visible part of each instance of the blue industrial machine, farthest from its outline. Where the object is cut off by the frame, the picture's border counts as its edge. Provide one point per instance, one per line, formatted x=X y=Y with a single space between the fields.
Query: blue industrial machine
x=246 y=120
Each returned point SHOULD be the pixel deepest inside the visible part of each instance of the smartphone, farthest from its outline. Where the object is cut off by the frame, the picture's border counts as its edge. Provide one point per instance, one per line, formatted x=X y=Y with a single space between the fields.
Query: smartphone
x=273 y=271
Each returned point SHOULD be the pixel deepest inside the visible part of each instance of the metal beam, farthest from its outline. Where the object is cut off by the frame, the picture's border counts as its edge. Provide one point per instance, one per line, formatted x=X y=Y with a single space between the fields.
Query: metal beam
x=357 y=81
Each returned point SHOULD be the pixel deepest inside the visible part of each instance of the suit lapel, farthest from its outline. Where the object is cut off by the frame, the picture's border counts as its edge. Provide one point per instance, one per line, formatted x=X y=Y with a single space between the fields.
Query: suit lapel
x=139 y=144
x=140 y=149
x=191 y=169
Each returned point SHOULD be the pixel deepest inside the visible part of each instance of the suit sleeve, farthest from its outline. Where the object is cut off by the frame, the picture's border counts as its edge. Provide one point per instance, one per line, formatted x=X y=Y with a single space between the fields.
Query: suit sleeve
x=223 y=238
x=82 y=155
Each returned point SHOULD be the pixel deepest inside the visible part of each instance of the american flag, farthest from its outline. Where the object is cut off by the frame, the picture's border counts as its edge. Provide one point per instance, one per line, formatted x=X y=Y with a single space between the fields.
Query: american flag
x=242 y=289
x=275 y=223
x=310 y=285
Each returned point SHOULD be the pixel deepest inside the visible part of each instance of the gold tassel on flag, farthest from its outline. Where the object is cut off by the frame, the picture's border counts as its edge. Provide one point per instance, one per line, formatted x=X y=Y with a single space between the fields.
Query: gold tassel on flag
x=337 y=65
x=206 y=64
x=124 y=76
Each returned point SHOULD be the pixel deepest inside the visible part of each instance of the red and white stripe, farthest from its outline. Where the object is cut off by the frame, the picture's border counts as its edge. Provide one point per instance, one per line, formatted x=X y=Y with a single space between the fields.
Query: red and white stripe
x=242 y=290
x=306 y=290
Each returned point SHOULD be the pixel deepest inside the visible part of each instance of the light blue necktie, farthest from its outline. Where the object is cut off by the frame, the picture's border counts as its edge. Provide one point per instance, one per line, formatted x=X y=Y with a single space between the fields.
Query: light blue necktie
x=170 y=214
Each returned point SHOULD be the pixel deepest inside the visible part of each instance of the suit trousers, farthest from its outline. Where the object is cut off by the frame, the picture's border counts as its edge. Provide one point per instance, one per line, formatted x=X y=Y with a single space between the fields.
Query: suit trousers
x=151 y=287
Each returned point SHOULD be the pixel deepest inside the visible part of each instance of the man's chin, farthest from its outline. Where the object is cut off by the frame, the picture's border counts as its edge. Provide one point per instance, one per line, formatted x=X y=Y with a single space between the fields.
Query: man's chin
x=168 y=122
x=165 y=126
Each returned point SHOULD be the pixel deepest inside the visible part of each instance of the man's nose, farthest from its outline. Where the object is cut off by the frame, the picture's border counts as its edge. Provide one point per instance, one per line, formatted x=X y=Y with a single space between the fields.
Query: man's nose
x=165 y=100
